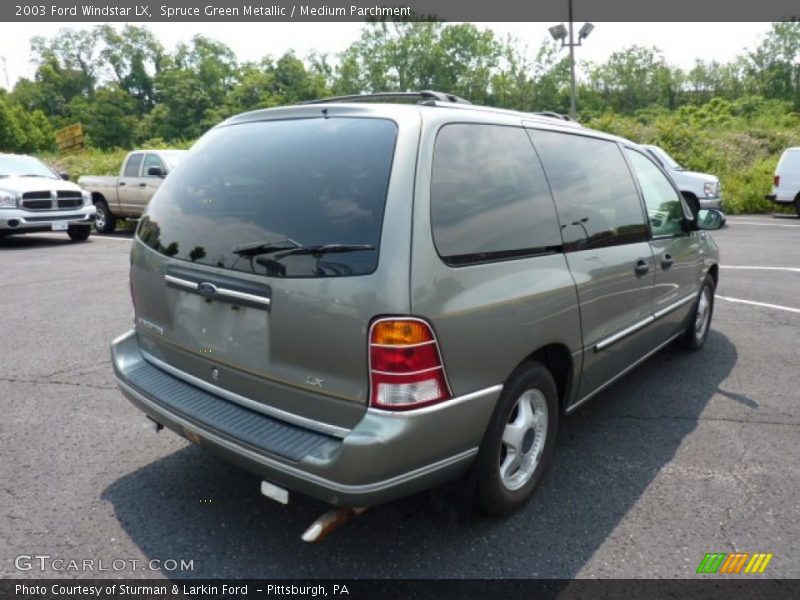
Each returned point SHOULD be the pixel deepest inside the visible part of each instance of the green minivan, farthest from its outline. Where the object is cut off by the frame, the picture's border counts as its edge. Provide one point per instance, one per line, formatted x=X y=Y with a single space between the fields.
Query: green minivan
x=360 y=298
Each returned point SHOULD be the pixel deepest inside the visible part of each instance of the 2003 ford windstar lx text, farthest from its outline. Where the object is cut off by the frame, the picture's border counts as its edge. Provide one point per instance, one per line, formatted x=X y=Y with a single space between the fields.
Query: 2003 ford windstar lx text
x=361 y=300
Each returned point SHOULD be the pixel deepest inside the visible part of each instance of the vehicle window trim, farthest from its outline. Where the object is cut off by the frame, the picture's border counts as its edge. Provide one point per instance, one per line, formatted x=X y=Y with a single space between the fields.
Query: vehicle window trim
x=643 y=202
x=497 y=256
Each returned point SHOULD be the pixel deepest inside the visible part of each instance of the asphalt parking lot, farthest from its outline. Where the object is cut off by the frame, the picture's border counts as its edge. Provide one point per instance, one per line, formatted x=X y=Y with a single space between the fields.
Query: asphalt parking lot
x=690 y=453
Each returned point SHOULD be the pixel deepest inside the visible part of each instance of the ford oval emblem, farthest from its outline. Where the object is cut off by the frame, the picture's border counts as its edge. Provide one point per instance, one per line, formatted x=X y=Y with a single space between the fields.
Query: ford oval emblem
x=209 y=290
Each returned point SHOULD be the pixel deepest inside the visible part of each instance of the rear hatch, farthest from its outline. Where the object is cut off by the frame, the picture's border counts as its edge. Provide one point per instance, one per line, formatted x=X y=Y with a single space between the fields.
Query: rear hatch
x=255 y=272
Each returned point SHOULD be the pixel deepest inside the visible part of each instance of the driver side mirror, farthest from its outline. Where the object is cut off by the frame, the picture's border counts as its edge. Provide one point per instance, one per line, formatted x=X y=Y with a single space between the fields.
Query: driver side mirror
x=64 y=176
x=155 y=172
x=709 y=219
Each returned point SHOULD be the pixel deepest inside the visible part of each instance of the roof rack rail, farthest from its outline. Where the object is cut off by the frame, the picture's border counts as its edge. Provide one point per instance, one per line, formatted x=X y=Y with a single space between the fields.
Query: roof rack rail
x=424 y=97
x=553 y=115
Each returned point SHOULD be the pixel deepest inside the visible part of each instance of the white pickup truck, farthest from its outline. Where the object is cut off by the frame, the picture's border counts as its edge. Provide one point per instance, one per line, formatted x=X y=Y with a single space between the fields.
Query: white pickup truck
x=33 y=197
x=126 y=196
x=702 y=186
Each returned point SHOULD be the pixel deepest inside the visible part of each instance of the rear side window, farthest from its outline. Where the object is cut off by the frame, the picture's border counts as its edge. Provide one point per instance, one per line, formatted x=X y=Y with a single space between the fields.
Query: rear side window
x=132 y=166
x=596 y=198
x=489 y=196
x=284 y=185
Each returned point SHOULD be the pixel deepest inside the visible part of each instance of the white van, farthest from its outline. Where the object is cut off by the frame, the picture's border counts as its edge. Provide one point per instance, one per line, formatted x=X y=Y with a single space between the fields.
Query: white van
x=786 y=184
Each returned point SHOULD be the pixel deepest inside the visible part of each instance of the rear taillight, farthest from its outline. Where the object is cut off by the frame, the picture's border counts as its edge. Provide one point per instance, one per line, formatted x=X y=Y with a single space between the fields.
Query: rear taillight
x=776 y=181
x=406 y=369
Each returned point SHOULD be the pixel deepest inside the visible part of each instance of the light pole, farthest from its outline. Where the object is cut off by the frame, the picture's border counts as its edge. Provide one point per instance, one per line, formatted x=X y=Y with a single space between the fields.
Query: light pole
x=560 y=34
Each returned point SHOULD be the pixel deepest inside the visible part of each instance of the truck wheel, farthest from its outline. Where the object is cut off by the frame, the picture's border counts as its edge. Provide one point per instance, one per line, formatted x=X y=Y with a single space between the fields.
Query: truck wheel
x=797 y=205
x=79 y=233
x=519 y=441
x=699 y=322
x=104 y=222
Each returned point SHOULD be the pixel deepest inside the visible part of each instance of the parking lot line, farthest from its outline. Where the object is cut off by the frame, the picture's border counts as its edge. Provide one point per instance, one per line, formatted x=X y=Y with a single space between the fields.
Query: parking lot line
x=761 y=223
x=763 y=304
x=759 y=268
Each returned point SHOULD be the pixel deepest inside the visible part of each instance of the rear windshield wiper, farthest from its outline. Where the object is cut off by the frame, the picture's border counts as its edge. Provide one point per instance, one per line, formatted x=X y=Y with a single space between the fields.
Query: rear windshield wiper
x=257 y=248
x=321 y=249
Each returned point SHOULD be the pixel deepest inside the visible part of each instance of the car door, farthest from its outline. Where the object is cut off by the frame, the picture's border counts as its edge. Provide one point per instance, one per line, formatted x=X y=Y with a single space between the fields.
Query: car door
x=128 y=185
x=605 y=240
x=148 y=184
x=677 y=251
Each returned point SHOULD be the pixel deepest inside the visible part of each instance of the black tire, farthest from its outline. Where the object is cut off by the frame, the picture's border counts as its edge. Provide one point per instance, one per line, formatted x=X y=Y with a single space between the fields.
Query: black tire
x=797 y=205
x=498 y=494
x=696 y=332
x=104 y=222
x=79 y=233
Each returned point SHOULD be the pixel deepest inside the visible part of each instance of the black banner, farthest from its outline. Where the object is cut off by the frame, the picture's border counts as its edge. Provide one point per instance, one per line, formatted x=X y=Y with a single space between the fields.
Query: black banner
x=361 y=10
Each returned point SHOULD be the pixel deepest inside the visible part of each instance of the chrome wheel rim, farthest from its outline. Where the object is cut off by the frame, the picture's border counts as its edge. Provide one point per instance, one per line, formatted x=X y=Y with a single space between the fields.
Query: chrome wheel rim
x=523 y=440
x=100 y=218
x=702 y=317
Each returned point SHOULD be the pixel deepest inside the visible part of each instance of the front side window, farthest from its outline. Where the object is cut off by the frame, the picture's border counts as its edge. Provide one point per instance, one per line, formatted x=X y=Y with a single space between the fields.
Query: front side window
x=289 y=198
x=132 y=166
x=596 y=198
x=489 y=196
x=664 y=208
x=151 y=160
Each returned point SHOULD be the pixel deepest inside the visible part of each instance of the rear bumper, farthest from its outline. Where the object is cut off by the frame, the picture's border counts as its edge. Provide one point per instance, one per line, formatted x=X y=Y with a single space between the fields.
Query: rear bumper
x=384 y=457
x=783 y=198
x=17 y=220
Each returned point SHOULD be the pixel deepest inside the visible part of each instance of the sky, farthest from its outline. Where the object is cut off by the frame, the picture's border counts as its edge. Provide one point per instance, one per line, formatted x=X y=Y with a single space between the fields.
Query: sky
x=681 y=43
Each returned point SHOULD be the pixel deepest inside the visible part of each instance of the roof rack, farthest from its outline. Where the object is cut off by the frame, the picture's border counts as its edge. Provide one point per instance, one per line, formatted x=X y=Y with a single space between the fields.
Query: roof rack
x=423 y=97
x=553 y=115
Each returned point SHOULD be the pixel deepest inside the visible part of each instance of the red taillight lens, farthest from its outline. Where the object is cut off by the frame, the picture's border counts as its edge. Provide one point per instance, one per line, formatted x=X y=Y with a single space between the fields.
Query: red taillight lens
x=776 y=181
x=406 y=370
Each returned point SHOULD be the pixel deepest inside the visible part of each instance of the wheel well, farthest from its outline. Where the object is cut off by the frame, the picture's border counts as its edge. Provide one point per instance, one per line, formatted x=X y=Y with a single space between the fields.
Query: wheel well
x=558 y=360
x=98 y=197
x=713 y=270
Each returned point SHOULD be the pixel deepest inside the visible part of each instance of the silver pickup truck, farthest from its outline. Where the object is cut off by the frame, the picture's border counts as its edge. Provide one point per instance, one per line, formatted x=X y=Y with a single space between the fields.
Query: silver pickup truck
x=126 y=196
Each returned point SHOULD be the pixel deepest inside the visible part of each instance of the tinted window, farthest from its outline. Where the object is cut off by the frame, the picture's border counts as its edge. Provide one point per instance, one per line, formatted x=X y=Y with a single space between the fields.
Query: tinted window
x=314 y=181
x=664 y=208
x=151 y=160
x=596 y=198
x=489 y=196
x=132 y=166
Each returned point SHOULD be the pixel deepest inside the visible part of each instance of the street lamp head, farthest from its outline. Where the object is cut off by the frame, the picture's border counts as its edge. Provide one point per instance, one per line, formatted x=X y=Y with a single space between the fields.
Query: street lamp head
x=558 y=32
x=584 y=31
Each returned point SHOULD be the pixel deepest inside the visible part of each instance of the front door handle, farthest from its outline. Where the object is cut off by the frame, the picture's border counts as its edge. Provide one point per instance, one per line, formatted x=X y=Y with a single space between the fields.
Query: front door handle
x=641 y=267
x=121 y=183
x=142 y=185
x=666 y=261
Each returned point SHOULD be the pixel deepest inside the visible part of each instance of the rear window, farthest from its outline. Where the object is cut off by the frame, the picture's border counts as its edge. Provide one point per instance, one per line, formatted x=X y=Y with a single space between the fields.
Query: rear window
x=287 y=184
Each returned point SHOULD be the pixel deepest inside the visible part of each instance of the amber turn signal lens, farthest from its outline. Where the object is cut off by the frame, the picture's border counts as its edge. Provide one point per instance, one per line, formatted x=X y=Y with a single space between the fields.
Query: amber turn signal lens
x=400 y=333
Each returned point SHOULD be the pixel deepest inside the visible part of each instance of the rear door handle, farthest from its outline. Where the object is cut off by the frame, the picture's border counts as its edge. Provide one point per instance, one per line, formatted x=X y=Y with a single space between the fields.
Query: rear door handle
x=142 y=185
x=666 y=261
x=641 y=267
x=121 y=183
